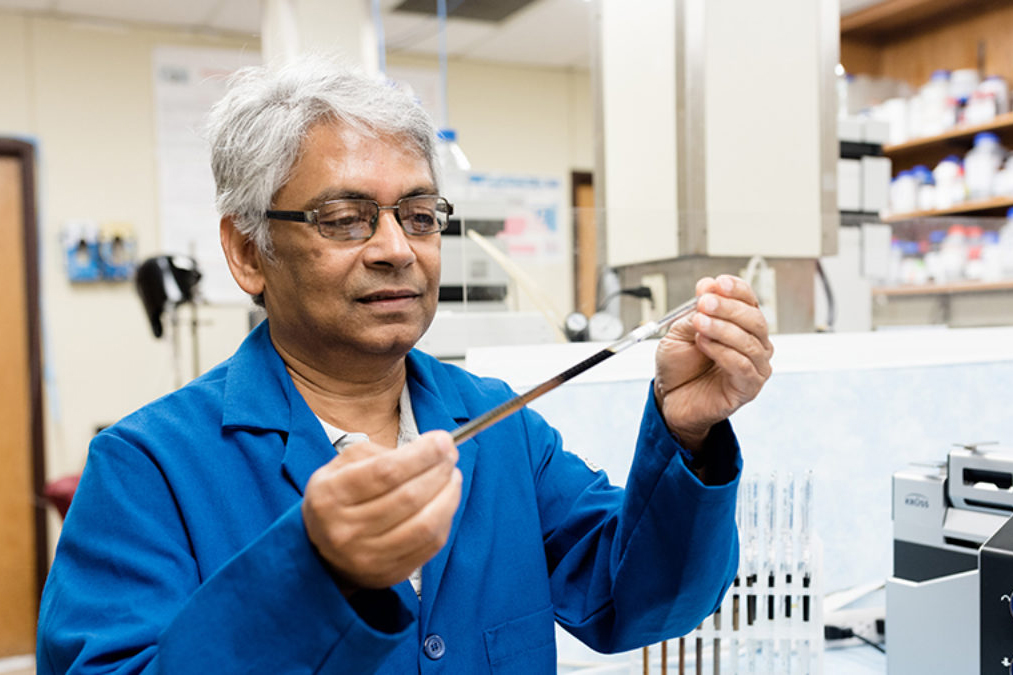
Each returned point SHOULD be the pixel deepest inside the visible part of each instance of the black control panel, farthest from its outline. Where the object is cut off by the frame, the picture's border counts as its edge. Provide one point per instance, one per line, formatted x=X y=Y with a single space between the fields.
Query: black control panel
x=995 y=573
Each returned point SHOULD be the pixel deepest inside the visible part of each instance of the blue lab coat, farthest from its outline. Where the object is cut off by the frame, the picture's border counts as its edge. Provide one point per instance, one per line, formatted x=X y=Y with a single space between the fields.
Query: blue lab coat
x=184 y=550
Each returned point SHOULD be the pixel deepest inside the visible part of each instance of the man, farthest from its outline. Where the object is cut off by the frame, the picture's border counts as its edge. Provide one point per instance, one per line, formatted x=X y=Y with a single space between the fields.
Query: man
x=218 y=531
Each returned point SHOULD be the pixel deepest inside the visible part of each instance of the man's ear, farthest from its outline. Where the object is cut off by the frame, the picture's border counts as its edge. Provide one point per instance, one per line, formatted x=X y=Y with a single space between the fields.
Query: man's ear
x=245 y=260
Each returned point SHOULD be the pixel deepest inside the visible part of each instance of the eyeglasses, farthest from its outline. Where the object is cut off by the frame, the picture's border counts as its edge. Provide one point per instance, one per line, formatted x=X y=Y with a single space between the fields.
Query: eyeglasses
x=351 y=219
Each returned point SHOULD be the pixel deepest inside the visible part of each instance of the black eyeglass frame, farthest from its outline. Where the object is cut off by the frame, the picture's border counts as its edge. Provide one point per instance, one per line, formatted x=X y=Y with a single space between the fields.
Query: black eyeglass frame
x=313 y=217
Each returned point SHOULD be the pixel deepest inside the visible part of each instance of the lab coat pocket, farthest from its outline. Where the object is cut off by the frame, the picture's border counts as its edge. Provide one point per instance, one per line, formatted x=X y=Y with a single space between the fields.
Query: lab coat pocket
x=526 y=645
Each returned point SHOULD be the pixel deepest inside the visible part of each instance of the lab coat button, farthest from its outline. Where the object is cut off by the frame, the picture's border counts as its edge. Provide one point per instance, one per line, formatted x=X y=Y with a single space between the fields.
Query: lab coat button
x=434 y=647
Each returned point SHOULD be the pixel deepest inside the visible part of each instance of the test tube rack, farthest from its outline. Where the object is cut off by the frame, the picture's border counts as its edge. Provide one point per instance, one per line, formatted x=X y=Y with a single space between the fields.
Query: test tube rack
x=770 y=621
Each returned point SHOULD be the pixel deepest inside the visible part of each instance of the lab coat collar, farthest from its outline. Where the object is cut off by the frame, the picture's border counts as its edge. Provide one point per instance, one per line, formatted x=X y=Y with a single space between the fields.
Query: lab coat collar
x=260 y=396
x=257 y=387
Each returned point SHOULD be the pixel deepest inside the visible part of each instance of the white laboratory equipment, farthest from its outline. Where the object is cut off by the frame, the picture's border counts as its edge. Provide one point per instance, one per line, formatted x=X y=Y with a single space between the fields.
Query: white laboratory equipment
x=945 y=516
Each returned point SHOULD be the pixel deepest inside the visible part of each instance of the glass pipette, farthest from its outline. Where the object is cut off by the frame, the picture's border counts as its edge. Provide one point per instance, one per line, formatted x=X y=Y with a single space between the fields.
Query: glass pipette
x=486 y=420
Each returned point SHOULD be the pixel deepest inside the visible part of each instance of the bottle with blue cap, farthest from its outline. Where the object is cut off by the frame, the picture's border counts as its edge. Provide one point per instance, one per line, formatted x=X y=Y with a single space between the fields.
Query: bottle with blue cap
x=982 y=164
x=950 y=187
x=904 y=193
x=454 y=165
x=936 y=105
x=989 y=263
x=933 y=261
x=926 y=197
x=953 y=254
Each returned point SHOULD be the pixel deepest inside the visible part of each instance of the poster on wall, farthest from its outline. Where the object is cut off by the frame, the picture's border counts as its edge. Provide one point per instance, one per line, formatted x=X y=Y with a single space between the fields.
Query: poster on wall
x=187 y=82
x=530 y=207
x=527 y=217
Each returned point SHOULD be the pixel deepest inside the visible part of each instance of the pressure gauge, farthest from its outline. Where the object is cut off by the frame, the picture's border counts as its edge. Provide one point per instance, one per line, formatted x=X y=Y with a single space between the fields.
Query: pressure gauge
x=576 y=327
x=604 y=327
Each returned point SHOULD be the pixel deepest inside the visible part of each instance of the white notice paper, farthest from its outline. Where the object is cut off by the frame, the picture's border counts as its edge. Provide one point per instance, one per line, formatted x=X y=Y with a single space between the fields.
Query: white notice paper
x=188 y=81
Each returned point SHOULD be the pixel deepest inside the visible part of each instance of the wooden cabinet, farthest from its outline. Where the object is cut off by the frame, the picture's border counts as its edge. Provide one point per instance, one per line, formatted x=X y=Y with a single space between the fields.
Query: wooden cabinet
x=909 y=39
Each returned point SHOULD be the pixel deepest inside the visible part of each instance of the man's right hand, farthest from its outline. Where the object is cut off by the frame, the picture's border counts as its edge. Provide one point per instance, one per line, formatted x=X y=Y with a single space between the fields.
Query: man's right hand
x=377 y=514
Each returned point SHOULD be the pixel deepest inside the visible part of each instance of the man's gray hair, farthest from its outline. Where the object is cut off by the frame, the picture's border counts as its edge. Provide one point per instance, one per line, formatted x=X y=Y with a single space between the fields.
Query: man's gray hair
x=257 y=128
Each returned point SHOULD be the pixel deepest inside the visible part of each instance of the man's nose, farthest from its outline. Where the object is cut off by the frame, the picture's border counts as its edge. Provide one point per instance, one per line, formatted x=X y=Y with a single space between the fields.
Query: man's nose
x=389 y=244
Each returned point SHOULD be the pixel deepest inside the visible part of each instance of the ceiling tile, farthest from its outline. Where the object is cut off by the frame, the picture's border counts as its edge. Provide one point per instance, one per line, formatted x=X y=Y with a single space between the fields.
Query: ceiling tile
x=550 y=32
x=27 y=5
x=482 y=10
x=176 y=12
x=413 y=33
x=241 y=16
x=403 y=31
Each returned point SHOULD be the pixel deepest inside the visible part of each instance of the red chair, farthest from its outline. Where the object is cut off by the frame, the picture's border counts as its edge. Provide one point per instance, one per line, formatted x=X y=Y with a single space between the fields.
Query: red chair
x=60 y=492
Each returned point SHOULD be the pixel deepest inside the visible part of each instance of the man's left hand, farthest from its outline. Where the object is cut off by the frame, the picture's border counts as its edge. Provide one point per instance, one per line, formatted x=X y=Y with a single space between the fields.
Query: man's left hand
x=709 y=364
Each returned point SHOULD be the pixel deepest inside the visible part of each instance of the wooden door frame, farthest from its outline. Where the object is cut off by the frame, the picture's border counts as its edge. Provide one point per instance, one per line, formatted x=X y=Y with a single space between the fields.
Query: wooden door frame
x=578 y=179
x=25 y=153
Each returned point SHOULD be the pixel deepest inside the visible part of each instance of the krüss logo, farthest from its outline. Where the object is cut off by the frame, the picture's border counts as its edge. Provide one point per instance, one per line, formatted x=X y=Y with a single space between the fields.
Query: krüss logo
x=916 y=500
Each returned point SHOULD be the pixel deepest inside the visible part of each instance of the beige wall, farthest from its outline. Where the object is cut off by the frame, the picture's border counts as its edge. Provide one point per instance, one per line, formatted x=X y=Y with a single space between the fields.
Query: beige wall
x=83 y=92
x=518 y=119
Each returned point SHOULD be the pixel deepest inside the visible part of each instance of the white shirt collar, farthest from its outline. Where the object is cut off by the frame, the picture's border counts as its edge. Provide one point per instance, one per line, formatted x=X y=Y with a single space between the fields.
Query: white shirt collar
x=407 y=428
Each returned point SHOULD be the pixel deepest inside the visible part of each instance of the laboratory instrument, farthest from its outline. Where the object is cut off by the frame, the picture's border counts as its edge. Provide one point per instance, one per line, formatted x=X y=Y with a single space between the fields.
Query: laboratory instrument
x=949 y=596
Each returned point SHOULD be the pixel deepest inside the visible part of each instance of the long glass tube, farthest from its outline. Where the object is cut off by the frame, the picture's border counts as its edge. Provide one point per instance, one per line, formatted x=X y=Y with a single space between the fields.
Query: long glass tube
x=486 y=420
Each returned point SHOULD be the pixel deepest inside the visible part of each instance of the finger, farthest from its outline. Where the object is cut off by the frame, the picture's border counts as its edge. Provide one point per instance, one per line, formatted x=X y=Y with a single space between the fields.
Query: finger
x=706 y=285
x=376 y=516
x=381 y=472
x=422 y=536
x=395 y=553
x=735 y=338
x=741 y=375
x=744 y=315
x=732 y=286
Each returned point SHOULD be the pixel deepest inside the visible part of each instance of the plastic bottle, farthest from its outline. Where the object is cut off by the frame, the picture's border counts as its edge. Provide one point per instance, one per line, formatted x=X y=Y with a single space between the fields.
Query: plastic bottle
x=953 y=253
x=959 y=108
x=912 y=265
x=897 y=114
x=975 y=244
x=933 y=260
x=999 y=89
x=933 y=97
x=926 y=190
x=963 y=82
x=904 y=193
x=982 y=164
x=1003 y=183
x=950 y=189
x=454 y=165
x=981 y=107
x=988 y=266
